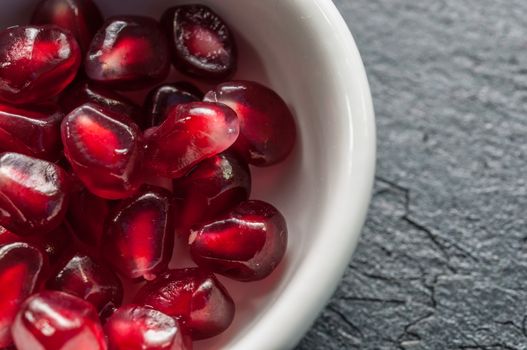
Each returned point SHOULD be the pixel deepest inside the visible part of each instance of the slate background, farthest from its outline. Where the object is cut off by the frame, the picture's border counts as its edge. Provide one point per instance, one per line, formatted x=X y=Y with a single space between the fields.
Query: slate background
x=442 y=263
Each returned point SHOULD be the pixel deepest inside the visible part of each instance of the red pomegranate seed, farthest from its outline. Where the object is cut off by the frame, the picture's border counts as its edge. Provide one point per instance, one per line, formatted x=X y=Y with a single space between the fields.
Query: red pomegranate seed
x=34 y=132
x=191 y=132
x=33 y=194
x=81 y=17
x=267 y=127
x=214 y=186
x=135 y=327
x=38 y=62
x=195 y=295
x=165 y=96
x=128 y=52
x=140 y=235
x=21 y=266
x=201 y=43
x=87 y=215
x=105 y=150
x=57 y=321
x=246 y=244
x=83 y=277
x=82 y=92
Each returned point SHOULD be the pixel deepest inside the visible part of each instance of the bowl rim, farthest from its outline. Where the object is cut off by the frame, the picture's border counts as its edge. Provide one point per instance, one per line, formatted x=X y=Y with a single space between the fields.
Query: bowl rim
x=282 y=328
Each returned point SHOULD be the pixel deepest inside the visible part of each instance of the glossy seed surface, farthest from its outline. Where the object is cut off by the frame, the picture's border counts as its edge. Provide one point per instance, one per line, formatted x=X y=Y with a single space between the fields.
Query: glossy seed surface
x=140 y=234
x=38 y=62
x=34 y=194
x=193 y=294
x=128 y=52
x=82 y=276
x=21 y=266
x=214 y=186
x=245 y=244
x=267 y=127
x=54 y=320
x=190 y=133
x=136 y=327
x=105 y=150
x=201 y=43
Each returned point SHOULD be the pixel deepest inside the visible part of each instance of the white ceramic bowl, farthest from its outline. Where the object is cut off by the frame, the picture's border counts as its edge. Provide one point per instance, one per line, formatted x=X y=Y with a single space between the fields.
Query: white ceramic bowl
x=302 y=49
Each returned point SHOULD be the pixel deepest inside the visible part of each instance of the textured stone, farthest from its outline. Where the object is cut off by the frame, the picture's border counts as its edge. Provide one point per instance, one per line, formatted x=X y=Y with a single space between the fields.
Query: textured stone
x=442 y=263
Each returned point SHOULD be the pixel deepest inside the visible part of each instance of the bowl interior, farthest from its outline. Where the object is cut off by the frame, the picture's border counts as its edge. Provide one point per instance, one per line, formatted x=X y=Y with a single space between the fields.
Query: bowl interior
x=301 y=48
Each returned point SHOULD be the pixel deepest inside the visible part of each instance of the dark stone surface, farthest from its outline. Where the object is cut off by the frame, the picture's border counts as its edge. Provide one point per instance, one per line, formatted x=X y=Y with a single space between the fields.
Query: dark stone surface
x=442 y=263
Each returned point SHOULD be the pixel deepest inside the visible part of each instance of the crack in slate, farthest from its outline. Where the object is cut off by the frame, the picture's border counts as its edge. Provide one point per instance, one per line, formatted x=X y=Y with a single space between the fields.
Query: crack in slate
x=406 y=218
x=439 y=243
x=345 y=320
x=510 y=323
x=432 y=289
x=374 y=300
x=496 y=346
x=433 y=237
x=391 y=183
x=413 y=323
x=374 y=276
x=492 y=346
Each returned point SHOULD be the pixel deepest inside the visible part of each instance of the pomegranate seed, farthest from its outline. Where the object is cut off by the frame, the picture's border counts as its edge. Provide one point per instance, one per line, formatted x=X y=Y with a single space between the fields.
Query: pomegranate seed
x=140 y=235
x=87 y=215
x=201 y=43
x=21 y=266
x=81 y=17
x=85 y=92
x=213 y=187
x=33 y=194
x=246 y=244
x=105 y=150
x=135 y=327
x=38 y=62
x=195 y=295
x=54 y=320
x=163 y=97
x=34 y=132
x=83 y=277
x=267 y=127
x=191 y=132
x=128 y=52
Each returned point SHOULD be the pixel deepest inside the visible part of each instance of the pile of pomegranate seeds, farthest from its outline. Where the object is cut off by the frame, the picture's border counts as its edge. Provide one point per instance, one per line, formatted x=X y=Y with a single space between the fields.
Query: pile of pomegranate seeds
x=98 y=183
